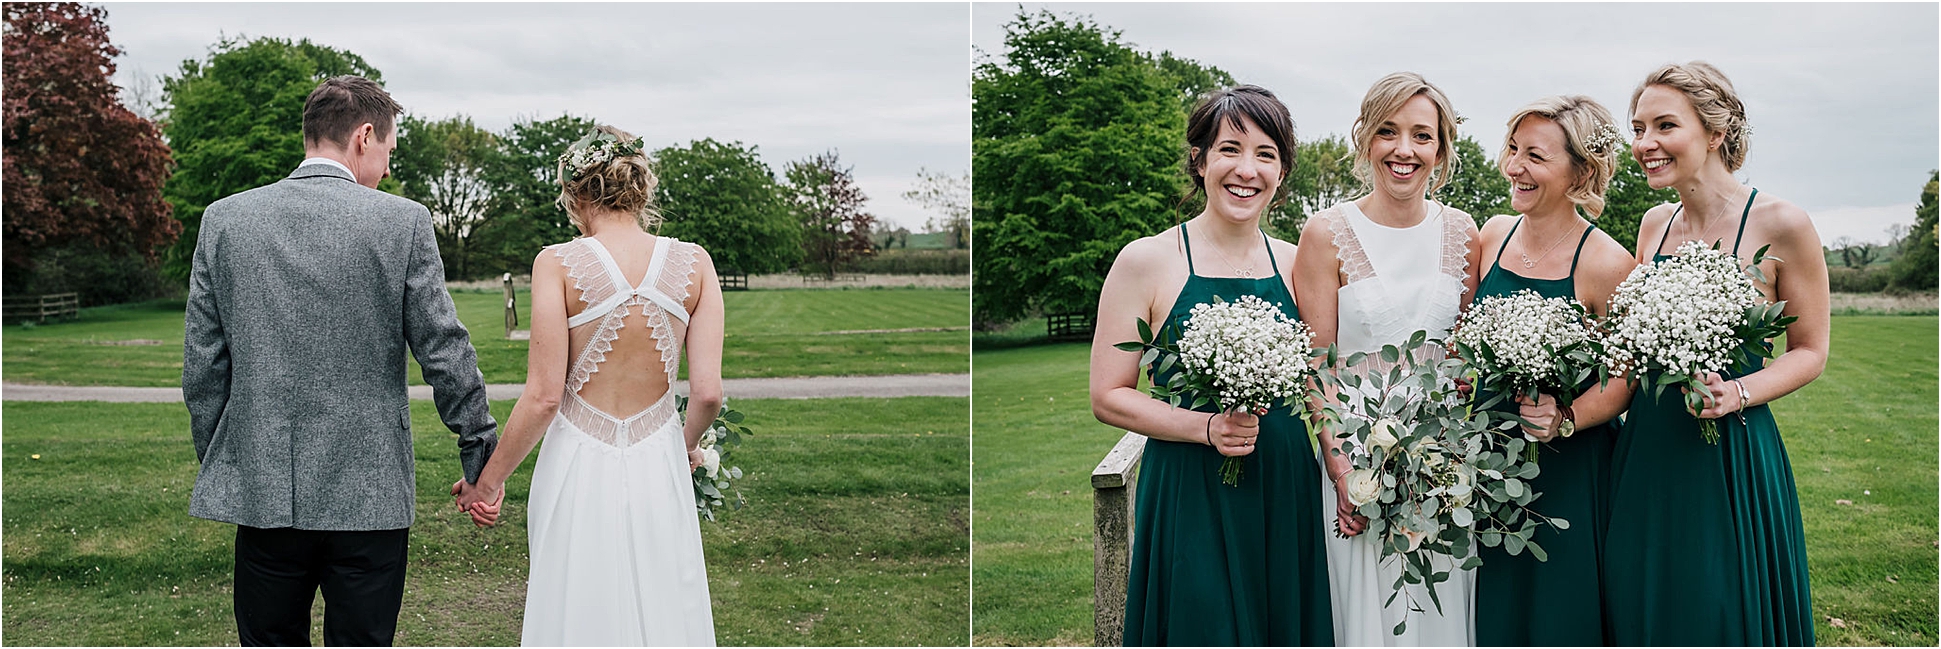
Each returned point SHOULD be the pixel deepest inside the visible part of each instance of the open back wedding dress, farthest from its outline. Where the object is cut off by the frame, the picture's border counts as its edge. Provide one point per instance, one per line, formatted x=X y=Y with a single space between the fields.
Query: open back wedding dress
x=1398 y=281
x=616 y=543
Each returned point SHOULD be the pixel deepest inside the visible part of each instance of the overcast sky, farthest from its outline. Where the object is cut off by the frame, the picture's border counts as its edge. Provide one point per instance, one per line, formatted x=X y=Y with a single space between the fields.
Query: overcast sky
x=1842 y=97
x=886 y=85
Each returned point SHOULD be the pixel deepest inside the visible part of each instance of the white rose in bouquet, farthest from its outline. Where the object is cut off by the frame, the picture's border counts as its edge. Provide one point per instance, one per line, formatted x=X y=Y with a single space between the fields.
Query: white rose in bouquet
x=1362 y=486
x=1384 y=433
x=711 y=460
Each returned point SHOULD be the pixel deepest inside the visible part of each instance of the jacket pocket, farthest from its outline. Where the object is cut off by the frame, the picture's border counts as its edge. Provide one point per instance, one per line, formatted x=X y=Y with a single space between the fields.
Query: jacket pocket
x=404 y=417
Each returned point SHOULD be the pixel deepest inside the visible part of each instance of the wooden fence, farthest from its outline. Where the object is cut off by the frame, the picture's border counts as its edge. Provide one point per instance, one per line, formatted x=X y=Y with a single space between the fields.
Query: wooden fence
x=733 y=280
x=1113 y=490
x=1072 y=327
x=41 y=308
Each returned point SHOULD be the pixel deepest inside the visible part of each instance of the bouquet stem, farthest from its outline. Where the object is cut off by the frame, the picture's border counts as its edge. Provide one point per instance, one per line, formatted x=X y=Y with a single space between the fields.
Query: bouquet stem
x=1709 y=430
x=1230 y=472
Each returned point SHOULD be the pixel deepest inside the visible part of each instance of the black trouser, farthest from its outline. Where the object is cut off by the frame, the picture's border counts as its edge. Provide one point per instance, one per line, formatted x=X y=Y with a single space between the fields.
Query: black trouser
x=278 y=572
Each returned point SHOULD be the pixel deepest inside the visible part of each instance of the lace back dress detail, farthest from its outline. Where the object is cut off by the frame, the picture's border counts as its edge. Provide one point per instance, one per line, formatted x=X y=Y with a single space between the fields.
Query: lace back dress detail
x=609 y=300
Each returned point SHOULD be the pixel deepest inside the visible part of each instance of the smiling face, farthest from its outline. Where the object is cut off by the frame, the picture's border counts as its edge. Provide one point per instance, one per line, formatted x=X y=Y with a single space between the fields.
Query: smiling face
x=1538 y=164
x=1404 y=149
x=1668 y=139
x=1242 y=169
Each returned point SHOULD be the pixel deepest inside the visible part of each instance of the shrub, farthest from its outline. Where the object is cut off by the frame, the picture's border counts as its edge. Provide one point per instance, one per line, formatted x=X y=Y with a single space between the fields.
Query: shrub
x=914 y=261
x=1858 y=280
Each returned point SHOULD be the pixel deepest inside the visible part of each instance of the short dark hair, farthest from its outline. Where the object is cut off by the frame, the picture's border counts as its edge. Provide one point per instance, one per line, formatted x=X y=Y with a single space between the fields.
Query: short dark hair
x=1228 y=105
x=341 y=104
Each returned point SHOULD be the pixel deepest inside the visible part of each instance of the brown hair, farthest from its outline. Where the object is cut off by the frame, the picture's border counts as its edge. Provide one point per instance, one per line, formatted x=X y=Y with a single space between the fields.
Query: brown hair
x=1713 y=98
x=1228 y=105
x=624 y=183
x=341 y=104
x=1382 y=101
x=1589 y=136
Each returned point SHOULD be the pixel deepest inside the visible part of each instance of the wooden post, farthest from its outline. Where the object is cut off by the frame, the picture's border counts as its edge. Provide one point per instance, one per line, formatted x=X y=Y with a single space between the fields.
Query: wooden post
x=511 y=307
x=1113 y=489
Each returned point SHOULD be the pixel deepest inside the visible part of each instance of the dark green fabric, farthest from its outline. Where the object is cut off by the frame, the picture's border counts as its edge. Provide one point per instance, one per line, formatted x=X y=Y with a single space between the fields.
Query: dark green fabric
x=1705 y=544
x=1214 y=565
x=1524 y=602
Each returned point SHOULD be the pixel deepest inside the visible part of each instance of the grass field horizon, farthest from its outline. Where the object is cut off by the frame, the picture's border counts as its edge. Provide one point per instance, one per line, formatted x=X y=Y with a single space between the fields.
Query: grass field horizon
x=856 y=532
x=770 y=333
x=1862 y=434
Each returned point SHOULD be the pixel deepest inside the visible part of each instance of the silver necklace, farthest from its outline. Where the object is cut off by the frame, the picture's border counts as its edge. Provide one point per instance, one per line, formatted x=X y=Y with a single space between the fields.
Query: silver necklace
x=1529 y=263
x=1244 y=273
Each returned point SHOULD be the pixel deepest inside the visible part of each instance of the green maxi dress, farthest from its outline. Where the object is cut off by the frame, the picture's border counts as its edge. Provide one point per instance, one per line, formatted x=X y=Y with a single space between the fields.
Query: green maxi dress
x=1524 y=602
x=1214 y=565
x=1705 y=544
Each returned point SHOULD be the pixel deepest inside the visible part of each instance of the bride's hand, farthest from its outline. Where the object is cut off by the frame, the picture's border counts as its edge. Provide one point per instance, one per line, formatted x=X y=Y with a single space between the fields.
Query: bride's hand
x=1346 y=520
x=1233 y=433
x=695 y=458
x=1544 y=413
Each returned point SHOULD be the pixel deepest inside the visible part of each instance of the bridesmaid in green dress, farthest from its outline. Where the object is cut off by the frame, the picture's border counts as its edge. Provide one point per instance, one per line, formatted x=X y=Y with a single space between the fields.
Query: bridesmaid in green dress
x=1705 y=545
x=1559 y=156
x=1212 y=564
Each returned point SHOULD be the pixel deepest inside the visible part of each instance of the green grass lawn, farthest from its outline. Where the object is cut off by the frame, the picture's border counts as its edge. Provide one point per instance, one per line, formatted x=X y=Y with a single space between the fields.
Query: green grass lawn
x=856 y=532
x=1864 y=432
x=770 y=333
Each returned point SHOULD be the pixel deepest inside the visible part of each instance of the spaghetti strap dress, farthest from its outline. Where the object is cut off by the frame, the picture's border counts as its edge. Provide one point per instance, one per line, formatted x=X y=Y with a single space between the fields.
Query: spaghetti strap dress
x=1218 y=565
x=1705 y=545
x=1521 y=601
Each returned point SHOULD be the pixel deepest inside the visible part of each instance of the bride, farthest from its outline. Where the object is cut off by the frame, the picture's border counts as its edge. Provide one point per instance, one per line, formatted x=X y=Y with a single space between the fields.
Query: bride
x=616 y=543
x=1370 y=272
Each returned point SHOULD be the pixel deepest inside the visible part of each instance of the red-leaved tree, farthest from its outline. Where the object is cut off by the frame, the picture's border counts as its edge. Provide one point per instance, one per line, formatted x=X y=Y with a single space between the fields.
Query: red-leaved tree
x=80 y=167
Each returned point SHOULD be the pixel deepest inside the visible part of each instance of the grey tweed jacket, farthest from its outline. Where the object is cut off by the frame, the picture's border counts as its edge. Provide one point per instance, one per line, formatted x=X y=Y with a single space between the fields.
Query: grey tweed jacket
x=302 y=299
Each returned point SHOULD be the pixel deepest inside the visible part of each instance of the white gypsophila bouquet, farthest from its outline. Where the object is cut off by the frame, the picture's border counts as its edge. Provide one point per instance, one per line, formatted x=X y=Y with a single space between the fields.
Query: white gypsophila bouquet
x=1693 y=313
x=714 y=482
x=1432 y=475
x=1241 y=355
x=1524 y=344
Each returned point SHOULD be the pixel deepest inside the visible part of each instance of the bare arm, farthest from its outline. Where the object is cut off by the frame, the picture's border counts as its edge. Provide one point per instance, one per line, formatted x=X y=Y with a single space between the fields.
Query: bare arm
x=545 y=377
x=1605 y=265
x=1317 y=280
x=705 y=329
x=1801 y=281
x=1116 y=399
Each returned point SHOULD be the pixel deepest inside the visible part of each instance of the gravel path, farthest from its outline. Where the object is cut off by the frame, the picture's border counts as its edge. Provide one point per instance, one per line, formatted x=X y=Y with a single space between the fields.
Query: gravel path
x=795 y=387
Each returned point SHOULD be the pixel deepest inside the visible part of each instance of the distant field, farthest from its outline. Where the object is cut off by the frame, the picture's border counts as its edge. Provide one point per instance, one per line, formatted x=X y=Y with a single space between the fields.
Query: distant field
x=770 y=333
x=1864 y=432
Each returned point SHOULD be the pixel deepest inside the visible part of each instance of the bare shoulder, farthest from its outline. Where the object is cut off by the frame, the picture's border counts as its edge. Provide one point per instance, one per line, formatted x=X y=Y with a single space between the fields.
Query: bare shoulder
x=1606 y=259
x=1782 y=220
x=1317 y=234
x=1284 y=253
x=1149 y=251
x=1657 y=217
x=1498 y=226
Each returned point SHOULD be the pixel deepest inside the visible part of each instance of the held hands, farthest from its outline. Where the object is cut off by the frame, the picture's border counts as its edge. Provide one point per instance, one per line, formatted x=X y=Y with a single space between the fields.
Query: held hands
x=1232 y=433
x=481 y=501
x=1542 y=412
x=1346 y=521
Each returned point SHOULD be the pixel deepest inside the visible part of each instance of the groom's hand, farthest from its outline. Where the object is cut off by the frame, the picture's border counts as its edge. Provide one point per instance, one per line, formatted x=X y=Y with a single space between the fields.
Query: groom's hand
x=480 y=501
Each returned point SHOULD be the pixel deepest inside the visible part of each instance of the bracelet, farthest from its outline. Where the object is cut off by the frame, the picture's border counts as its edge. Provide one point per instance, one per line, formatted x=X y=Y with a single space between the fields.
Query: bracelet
x=1209 y=429
x=1745 y=399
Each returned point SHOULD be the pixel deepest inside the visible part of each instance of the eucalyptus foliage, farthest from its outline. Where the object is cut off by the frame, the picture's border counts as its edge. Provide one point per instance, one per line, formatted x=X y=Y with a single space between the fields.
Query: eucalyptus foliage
x=714 y=481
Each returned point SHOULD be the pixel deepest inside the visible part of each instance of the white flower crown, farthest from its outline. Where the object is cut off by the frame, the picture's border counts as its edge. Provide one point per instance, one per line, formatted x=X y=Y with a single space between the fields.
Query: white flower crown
x=596 y=148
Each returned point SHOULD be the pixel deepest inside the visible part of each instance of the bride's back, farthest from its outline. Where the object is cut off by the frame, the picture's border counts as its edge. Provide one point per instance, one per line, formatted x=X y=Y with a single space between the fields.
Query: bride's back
x=627 y=303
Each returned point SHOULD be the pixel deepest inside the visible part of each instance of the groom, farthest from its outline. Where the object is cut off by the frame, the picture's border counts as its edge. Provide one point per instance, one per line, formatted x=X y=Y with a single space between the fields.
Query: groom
x=302 y=299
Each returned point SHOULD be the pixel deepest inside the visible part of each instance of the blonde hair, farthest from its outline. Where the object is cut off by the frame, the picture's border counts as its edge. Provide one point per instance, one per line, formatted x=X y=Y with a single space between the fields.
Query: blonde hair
x=1713 y=98
x=623 y=183
x=1590 y=137
x=1382 y=101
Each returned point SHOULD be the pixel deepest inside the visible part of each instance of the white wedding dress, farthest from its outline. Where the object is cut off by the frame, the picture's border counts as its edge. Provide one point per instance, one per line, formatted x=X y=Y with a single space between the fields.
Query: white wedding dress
x=1399 y=280
x=616 y=543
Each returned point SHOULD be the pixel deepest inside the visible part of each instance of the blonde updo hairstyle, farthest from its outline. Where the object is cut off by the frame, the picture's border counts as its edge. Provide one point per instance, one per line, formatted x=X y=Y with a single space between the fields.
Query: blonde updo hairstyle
x=1589 y=135
x=623 y=184
x=1383 y=99
x=1713 y=98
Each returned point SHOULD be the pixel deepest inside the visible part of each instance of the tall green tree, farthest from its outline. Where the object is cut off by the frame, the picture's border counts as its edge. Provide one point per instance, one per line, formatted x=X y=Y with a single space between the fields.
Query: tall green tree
x=443 y=164
x=722 y=196
x=1077 y=145
x=523 y=171
x=1915 y=269
x=1627 y=199
x=1478 y=187
x=829 y=205
x=80 y=168
x=235 y=119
